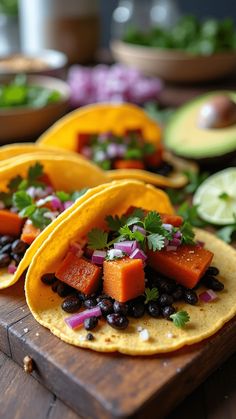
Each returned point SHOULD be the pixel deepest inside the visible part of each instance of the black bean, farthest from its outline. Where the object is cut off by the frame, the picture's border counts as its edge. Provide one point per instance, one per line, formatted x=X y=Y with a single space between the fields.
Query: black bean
x=90 y=302
x=71 y=304
x=89 y=336
x=212 y=270
x=136 y=309
x=104 y=297
x=153 y=309
x=117 y=321
x=165 y=300
x=167 y=286
x=106 y=306
x=190 y=297
x=19 y=247
x=90 y=323
x=81 y=296
x=164 y=169
x=16 y=258
x=178 y=293
x=55 y=285
x=213 y=283
x=4 y=260
x=6 y=240
x=120 y=308
x=6 y=249
x=48 y=279
x=167 y=311
x=63 y=290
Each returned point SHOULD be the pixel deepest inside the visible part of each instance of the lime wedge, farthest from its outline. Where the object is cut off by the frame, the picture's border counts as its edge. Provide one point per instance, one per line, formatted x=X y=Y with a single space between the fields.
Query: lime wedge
x=216 y=198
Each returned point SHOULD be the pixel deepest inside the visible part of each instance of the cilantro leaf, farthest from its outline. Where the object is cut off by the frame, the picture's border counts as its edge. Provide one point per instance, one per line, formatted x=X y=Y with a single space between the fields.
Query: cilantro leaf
x=6 y=198
x=23 y=185
x=14 y=183
x=114 y=223
x=190 y=213
x=187 y=233
x=97 y=239
x=195 y=179
x=226 y=233
x=155 y=241
x=132 y=220
x=27 y=211
x=63 y=196
x=35 y=171
x=152 y=222
x=180 y=318
x=137 y=212
x=21 y=200
x=151 y=294
x=176 y=196
x=38 y=218
x=126 y=232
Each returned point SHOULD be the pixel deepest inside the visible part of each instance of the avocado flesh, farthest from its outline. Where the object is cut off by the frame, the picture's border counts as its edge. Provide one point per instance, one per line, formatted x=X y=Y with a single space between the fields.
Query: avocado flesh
x=183 y=137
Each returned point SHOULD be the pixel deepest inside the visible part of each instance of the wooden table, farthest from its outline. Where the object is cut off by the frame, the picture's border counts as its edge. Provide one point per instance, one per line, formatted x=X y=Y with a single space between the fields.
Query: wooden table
x=22 y=397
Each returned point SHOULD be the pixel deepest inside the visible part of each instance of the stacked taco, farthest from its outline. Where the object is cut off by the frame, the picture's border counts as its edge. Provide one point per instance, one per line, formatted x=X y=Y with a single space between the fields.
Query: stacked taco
x=121 y=139
x=36 y=193
x=122 y=272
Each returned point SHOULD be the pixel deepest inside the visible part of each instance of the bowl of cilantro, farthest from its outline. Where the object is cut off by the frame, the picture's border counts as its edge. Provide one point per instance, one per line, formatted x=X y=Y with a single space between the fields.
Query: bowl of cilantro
x=29 y=105
x=189 y=52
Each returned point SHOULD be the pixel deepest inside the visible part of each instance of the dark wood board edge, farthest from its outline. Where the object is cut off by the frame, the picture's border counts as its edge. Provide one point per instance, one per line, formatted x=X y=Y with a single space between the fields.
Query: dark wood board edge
x=207 y=357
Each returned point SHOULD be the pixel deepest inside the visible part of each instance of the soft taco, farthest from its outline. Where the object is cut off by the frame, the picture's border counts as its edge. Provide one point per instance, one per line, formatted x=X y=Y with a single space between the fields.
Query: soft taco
x=36 y=193
x=120 y=138
x=120 y=274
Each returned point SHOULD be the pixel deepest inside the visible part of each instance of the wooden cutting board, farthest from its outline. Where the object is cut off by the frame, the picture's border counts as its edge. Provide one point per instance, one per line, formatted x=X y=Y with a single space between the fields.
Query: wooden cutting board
x=99 y=385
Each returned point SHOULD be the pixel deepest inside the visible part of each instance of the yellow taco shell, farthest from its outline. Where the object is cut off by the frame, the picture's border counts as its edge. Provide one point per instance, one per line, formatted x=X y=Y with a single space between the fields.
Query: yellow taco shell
x=205 y=318
x=117 y=118
x=67 y=174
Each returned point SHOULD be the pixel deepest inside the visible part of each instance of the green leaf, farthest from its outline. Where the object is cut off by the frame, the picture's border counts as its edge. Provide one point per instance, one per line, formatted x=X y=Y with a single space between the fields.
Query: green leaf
x=38 y=218
x=187 y=233
x=6 y=198
x=151 y=294
x=195 y=179
x=21 y=200
x=63 y=196
x=114 y=223
x=23 y=185
x=226 y=233
x=97 y=239
x=152 y=222
x=190 y=213
x=180 y=318
x=126 y=232
x=14 y=183
x=27 y=211
x=77 y=194
x=155 y=241
x=137 y=212
x=137 y=235
x=35 y=171
x=132 y=220
x=176 y=196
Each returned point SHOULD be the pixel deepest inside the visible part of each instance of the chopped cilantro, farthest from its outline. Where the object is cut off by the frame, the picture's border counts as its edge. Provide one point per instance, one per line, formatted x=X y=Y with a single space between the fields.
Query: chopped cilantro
x=6 y=198
x=155 y=241
x=114 y=223
x=21 y=200
x=27 y=211
x=14 y=183
x=63 y=196
x=152 y=222
x=132 y=220
x=151 y=294
x=187 y=233
x=77 y=194
x=97 y=239
x=195 y=179
x=35 y=172
x=180 y=318
x=38 y=218
x=189 y=213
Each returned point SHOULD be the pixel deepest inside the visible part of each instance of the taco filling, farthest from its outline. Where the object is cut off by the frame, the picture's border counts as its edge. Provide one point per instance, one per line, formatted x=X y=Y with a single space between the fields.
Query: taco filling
x=143 y=262
x=27 y=206
x=128 y=151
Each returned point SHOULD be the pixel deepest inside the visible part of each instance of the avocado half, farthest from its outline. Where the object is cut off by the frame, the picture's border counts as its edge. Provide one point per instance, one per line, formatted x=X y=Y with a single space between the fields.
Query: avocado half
x=208 y=147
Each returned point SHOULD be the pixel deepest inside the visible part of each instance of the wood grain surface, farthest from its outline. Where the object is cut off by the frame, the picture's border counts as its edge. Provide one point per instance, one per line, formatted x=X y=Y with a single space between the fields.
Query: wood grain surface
x=107 y=385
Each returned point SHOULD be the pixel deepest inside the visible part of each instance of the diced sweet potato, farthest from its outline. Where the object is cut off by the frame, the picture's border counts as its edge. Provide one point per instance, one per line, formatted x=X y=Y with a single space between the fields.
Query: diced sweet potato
x=128 y=164
x=186 y=265
x=123 y=279
x=83 y=139
x=174 y=220
x=79 y=273
x=10 y=223
x=29 y=232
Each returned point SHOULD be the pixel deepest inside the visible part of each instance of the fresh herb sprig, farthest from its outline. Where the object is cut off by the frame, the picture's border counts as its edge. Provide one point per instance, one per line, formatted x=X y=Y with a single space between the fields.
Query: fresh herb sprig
x=151 y=295
x=180 y=318
x=24 y=203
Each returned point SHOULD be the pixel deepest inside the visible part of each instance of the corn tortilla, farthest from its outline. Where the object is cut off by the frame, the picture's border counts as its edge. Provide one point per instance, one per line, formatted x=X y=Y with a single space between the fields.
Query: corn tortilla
x=206 y=318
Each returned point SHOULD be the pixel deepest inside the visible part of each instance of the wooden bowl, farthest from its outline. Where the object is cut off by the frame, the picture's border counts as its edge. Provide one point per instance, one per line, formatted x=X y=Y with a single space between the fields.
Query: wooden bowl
x=174 y=66
x=25 y=123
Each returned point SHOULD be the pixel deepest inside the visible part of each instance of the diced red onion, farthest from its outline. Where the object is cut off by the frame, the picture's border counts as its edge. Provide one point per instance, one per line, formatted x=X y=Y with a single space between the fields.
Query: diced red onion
x=177 y=235
x=114 y=253
x=87 y=152
x=138 y=254
x=171 y=248
x=127 y=246
x=98 y=256
x=78 y=318
x=112 y=150
x=56 y=204
x=11 y=269
x=67 y=204
x=140 y=229
x=175 y=242
x=167 y=227
x=31 y=191
x=76 y=249
x=208 y=296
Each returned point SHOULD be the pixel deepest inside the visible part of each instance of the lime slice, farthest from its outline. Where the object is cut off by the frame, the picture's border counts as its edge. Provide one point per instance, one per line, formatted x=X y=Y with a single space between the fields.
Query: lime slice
x=216 y=198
